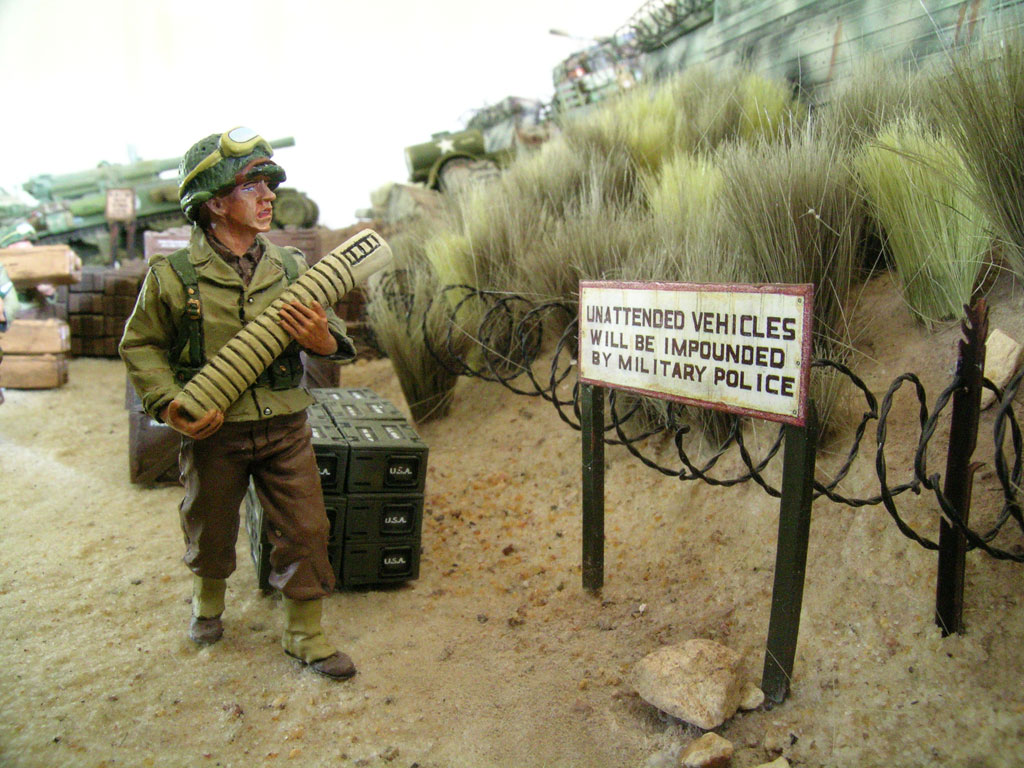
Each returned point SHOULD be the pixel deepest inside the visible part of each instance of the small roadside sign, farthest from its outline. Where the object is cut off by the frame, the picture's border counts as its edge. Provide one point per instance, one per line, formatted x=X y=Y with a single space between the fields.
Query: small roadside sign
x=120 y=205
x=745 y=349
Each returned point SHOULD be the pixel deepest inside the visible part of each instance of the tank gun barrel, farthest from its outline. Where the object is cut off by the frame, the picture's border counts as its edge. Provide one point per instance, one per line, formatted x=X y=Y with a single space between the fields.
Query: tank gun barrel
x=46 y=187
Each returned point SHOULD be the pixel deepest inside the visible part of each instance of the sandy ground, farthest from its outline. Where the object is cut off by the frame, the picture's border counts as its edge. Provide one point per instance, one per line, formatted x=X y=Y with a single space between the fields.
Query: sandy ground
x=496 y=656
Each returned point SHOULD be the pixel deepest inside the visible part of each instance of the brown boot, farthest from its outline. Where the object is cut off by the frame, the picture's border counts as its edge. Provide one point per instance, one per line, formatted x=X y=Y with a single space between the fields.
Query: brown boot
x=207 y=606
x=304 y=640
x=337 y=666
x=205 y=631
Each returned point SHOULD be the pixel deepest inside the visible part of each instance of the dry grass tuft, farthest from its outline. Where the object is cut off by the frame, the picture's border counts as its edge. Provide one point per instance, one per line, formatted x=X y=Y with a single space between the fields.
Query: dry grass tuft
x=919 y=192
x=408 y=324
x=981 y=104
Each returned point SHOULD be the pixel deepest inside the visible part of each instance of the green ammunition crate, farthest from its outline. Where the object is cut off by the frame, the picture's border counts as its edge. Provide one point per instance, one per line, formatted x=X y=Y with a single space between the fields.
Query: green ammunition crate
x=332 y=395
x=376 y=562
x=378 y=517
x=354 y=411
x=318 y=415
x=259 y=545
x=384 y=457
x=332 y=453
x=347 y=404
x=336 y=507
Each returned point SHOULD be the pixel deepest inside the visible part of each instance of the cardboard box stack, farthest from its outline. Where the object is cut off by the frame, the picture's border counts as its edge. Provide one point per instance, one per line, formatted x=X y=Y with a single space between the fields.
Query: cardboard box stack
x=35 y=354
x=28 y=266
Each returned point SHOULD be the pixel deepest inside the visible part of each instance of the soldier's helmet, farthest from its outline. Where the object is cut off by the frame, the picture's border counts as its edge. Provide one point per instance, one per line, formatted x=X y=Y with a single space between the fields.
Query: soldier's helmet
x=220 y=162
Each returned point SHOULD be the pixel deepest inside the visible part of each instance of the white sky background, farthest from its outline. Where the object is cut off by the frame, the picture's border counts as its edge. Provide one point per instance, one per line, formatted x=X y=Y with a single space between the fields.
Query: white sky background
x=352 y=82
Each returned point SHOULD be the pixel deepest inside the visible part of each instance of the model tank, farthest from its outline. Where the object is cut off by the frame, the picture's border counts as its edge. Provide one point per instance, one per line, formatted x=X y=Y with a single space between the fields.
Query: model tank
x=72 y=207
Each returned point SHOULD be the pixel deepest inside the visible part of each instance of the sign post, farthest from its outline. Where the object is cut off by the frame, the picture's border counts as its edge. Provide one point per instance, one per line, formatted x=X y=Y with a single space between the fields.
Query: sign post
x=744 y=349
x=790 y=556
x=120 y=209
x=592 y=426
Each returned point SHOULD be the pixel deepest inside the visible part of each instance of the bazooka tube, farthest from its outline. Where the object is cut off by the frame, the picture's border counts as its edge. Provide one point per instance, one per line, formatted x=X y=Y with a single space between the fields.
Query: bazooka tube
x=240 y=362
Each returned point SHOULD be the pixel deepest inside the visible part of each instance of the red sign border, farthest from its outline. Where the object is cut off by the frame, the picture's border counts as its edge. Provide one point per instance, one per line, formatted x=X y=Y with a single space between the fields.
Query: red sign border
x=806 y=290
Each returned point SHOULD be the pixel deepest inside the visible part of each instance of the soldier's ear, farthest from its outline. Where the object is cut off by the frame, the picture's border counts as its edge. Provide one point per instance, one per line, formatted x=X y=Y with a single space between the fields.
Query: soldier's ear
x=215 y=205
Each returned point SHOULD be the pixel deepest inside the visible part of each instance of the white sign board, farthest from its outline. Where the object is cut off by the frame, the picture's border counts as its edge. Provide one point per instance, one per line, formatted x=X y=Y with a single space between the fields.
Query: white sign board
x=120 y=205
x=739 y=348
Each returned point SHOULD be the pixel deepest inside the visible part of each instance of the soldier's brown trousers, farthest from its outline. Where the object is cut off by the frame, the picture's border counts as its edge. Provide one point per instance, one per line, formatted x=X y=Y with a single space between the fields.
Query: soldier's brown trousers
x=278 y=455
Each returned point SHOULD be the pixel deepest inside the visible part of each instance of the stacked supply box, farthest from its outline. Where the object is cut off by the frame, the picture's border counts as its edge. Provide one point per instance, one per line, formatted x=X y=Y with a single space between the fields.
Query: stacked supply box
x=34 y=354
x=99 y=305
x=152 y=446
x=379 y=539
x=374 y=498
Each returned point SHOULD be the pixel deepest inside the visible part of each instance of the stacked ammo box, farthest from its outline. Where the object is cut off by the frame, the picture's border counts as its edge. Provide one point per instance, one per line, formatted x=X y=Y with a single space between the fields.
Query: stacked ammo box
x=373 y=469
x=99 y=305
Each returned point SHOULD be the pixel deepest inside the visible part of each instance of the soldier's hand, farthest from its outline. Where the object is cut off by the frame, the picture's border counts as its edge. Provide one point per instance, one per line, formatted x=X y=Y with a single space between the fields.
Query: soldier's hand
x=308 y=326
x=197 y=429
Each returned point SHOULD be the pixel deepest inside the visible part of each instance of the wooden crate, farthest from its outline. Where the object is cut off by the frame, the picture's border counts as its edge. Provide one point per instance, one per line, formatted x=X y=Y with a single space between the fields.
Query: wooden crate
x=33 y=371
x=152 y=451
x=36 y=337
x=27 y=267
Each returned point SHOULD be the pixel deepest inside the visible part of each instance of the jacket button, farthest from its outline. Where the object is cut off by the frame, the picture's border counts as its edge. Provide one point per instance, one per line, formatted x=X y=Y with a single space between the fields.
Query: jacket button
x=266 y=411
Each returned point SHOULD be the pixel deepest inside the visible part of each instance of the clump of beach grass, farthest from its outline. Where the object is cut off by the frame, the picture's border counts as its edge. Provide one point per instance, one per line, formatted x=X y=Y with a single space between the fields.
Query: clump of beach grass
x=414 y=330
x=981 y=104
x=920 y=193
x=682 y=202
x=693 y=112
x=856 y=108
x=792 y=213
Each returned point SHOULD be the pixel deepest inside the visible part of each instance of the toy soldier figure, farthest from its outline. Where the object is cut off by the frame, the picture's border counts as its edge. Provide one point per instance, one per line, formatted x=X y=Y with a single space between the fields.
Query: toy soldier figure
x=192 y=303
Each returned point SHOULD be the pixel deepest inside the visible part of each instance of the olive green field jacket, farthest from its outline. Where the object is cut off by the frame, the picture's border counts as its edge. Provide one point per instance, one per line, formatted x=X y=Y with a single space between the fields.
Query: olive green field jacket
x=227 y=305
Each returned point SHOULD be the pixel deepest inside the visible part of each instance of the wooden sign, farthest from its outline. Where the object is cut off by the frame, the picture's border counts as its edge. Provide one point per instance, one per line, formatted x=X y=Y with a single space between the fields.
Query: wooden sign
x=120 y=205
x=745 y=349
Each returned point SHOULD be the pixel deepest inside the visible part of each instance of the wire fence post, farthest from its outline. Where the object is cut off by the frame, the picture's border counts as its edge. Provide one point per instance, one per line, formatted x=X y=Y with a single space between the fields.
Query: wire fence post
x=791 y=555
x=592 y=428
x=963 y=437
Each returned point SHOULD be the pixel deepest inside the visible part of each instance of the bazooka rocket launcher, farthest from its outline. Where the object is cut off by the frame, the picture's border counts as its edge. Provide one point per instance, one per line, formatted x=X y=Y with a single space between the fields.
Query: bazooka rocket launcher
x=240 y=362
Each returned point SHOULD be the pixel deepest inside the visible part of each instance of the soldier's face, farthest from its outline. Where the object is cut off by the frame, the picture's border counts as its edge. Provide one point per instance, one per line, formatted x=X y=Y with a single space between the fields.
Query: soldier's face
x=248 y=206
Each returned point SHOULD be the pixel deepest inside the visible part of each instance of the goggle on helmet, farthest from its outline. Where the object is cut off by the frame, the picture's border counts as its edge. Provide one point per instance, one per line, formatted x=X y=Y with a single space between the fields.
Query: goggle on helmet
x=218 y=163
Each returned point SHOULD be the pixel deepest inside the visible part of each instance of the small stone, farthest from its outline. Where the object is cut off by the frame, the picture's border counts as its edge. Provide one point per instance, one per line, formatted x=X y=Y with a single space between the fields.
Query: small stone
x=753 y=697
x=1003 y=356
x=389 y=754
x=697 y=681
x=779 y=763
x=709 y=751
x=778 y=739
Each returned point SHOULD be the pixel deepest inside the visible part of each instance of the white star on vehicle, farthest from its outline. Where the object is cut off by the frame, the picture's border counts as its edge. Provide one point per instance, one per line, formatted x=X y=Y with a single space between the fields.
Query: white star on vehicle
x=446 y=146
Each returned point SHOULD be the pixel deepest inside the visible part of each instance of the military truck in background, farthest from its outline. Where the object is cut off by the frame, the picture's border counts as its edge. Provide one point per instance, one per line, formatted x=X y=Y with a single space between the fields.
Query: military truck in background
x=71 y=208
x=492 y=137
x=813 y=44
x=496 y=134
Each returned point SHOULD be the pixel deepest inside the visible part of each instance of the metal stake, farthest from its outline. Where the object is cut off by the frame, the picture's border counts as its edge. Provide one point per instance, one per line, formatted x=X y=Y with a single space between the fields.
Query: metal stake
x=791 y=555
x=963 y=436
x=592 y=427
